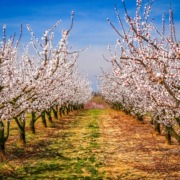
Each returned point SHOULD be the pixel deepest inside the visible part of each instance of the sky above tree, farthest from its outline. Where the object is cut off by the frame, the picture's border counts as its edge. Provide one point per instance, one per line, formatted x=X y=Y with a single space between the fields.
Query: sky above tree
x=90 y=31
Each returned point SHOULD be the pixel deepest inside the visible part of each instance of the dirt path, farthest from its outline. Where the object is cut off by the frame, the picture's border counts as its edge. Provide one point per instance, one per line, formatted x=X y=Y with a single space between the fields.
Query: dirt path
x=93 y=144
x=133 y=151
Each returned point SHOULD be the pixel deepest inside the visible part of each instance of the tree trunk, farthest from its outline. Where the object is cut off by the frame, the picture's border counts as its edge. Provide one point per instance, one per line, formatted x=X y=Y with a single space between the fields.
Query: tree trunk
x=23 y=133
x=3 y=147
x=2 y=150
x=2 y=139
x=59 y=111
x=174 y=134
x=66 y=110
x=139 y=117
x=43 y=119
x=49 y=116
x=32 y=126
x=168 y=135
x=62 y=111
x=23 y=136
x=178 y=121
x=70 y=108
x=21 y=125
x=55 y=113
x=32 y=122
x=157 y=127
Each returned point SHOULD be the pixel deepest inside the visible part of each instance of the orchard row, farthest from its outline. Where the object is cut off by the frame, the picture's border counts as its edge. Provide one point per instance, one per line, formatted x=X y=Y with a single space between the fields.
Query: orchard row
x=38 y=80
x=145 y=77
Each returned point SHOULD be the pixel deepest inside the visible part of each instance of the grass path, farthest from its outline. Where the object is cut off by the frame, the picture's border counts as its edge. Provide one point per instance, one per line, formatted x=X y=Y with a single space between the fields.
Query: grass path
x=68 y=150
x=93 y=144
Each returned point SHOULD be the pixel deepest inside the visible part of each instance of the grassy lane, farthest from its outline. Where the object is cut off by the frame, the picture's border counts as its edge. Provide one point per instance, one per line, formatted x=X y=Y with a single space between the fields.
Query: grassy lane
x=67 y=150
x=95 y=144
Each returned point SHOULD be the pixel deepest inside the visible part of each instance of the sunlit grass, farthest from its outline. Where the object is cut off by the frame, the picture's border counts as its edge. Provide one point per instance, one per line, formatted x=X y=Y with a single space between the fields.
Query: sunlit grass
x=90 y=144
x=63 y=150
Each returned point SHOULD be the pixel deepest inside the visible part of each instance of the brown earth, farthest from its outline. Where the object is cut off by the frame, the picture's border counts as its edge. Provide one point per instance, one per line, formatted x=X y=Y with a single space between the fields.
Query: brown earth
x=98 y=143
x=133 y=151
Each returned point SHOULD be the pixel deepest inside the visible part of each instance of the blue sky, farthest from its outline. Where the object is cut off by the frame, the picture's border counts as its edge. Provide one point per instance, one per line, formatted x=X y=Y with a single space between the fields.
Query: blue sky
x=90 y=26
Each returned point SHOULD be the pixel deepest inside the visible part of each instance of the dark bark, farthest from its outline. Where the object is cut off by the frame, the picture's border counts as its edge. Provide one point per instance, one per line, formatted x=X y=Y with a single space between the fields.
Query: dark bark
x=21 y=126
x=70 y=108
x=23 y=136
x=139 y=117
x=174 y=134
x=49 y=116
x=3 y=136
x=59 y=111
x=32 y=122
x=55 y=113
x=66 y=110
x=157 y=127
x=43 y=119
x=3 y=147
x=32 y=126
x=168 y=135
x=62 y=111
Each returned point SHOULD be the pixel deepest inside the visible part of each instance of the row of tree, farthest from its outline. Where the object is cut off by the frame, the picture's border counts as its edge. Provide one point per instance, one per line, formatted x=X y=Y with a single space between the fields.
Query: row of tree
x=39 y=80
x=145 y=77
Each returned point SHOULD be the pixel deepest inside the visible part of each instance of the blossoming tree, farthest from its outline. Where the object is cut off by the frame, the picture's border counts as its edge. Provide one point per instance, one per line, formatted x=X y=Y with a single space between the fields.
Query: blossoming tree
x=42 y=79
x=148 y=66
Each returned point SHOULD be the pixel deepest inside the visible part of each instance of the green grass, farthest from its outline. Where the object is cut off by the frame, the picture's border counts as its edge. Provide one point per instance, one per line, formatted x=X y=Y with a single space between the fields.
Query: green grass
x=92 y=144
x=64 y=150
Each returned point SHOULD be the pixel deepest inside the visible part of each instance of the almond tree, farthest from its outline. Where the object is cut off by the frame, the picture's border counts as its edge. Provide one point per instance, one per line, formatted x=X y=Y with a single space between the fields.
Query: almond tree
x=44 y=77
x=8 y=55
x=155 y=60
